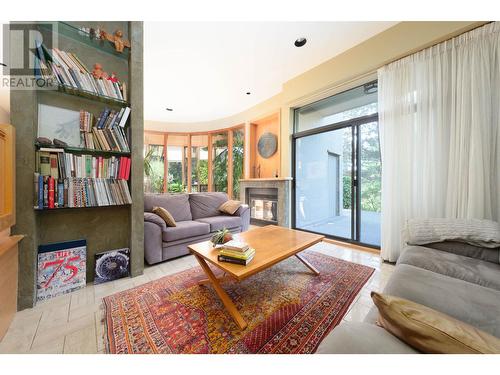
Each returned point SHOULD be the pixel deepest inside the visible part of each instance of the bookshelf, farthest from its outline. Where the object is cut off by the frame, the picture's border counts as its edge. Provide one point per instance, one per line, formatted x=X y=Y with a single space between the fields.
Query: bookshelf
x=106 y=226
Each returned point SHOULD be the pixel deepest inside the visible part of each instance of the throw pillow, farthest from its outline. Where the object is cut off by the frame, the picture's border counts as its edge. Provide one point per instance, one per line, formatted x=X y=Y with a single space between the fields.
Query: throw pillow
x=230 y=207
x=165 y=215
x=430 y=331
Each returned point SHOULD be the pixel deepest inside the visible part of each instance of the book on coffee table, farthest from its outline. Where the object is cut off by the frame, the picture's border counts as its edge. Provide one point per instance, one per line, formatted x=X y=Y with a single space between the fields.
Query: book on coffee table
x=236 y=260
x=236 y=245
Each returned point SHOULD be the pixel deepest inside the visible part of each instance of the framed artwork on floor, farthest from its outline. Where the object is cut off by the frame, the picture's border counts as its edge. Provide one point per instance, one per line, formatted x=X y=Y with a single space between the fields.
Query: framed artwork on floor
x=112 y=265
x=62 y=268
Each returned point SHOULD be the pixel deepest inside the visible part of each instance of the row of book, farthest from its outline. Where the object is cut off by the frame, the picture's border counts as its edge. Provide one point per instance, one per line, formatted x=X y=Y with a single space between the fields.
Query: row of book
x=72 y=192
x=236 y=252
x=68 y=70
x=107 y=134
x=59 y=164
x=108 y=118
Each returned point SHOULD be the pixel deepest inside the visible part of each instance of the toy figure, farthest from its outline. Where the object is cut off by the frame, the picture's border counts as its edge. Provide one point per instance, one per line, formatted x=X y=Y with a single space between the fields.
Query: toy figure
x=113 y=77
x=98 y=73
x=116 y=38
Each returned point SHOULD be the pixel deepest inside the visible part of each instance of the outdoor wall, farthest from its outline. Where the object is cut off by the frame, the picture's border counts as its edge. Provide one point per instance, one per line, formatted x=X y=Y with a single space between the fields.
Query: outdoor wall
x=317 y=200
x=349 y=69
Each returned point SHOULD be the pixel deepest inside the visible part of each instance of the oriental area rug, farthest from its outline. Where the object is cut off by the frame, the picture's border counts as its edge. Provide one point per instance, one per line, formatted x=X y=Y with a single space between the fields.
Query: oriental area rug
x=288 y=310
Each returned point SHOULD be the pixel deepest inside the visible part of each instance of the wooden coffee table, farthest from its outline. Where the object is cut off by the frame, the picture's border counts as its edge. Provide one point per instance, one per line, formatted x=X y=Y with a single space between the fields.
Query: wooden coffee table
x=272 y=244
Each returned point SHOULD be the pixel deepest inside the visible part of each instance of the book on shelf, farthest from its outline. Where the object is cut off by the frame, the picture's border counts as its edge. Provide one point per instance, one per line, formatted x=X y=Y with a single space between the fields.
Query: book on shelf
x=68 y=180
x=60 y=164
x=68 y=70
x=72 y=192
x=105 y=133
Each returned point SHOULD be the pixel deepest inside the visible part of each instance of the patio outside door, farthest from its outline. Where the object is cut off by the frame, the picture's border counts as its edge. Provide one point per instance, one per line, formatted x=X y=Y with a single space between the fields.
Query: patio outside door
x=337 y=170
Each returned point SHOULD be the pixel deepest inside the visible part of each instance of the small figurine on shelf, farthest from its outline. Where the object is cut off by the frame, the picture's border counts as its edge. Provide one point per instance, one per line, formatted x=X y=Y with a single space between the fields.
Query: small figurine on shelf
x=117 y=39
x=98 y=73
x=113 y=78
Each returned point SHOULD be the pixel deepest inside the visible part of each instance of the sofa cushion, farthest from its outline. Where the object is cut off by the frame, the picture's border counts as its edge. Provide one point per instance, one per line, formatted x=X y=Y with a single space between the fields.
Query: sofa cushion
x=460 y=267
x=229 y=207
x=185 y=229
x=221 y=222
x=471 y=303
x=431 y=331
x=467 y=250
x=165 y=215
x=206 y=204
x=176 y=204
x=477 y=232
x=362 y=338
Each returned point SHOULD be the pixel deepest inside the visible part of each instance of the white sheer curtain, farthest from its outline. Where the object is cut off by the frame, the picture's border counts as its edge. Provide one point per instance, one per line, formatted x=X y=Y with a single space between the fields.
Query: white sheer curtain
x=439 y=127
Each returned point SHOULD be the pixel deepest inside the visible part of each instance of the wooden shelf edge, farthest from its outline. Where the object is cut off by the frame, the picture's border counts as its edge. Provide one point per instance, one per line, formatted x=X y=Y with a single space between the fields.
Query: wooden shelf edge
x=9 y=242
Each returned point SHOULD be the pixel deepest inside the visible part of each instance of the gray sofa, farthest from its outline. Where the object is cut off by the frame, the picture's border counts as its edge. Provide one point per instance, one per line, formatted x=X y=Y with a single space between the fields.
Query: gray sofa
x=197 y=217
x=460 y=280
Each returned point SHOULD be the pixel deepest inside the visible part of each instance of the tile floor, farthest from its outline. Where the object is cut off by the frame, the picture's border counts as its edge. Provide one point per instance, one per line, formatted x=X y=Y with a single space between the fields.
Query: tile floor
x=72 y=323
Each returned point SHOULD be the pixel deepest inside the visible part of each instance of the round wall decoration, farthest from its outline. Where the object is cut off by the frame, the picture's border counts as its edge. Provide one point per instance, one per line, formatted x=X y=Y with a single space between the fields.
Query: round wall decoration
x=267 y=145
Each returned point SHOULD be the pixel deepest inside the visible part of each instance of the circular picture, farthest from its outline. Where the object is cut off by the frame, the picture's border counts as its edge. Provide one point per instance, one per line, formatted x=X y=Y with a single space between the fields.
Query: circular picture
x=267 y=145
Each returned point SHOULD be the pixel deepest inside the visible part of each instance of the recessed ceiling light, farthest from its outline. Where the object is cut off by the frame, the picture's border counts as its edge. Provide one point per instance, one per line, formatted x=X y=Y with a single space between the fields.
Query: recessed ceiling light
x=248 y=92
x=169 y=109
x=300 y=42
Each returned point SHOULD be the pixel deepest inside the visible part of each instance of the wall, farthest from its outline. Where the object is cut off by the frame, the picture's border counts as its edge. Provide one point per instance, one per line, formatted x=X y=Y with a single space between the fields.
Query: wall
x=4 y=116
x=270 y=166
x=349 y=69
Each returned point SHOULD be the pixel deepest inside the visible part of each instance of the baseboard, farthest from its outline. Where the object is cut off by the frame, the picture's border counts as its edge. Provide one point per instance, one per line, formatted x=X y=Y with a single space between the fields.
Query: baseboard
x=352 y=246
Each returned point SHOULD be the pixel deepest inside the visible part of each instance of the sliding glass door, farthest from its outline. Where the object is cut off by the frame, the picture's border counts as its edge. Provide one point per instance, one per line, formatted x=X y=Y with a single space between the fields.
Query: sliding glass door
x=323 y=182
x=337 y=167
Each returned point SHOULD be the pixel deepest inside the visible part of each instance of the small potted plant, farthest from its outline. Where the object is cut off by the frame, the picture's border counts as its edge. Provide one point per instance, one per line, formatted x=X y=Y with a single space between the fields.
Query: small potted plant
x=221 y=237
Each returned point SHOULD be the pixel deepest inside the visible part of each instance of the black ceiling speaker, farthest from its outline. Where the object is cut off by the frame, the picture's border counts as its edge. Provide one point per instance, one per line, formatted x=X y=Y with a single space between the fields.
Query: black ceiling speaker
x=300 y=42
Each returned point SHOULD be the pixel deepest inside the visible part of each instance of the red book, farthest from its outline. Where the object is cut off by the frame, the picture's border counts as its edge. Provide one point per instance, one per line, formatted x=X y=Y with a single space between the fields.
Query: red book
x=127 y=169
x=100 y=163
x=121 y=168
x=51 y=192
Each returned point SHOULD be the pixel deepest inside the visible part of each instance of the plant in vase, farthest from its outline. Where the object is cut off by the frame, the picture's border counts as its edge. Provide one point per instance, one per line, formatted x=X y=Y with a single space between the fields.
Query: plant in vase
x=221 y=237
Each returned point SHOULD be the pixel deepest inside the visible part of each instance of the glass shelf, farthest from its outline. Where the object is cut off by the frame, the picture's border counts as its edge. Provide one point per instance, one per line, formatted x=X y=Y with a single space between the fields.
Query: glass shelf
x=88 y=95
x=80 y=150
x=82 y=37
x=77 y=208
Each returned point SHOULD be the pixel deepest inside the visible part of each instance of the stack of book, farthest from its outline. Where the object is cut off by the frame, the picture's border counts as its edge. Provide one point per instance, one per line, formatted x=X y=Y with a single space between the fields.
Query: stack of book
x=65 y=68
x=67 y=180
x=236 y=252
x=106 y=133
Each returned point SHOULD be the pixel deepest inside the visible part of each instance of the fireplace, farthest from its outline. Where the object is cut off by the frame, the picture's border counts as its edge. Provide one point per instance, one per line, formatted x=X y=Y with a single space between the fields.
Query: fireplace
x=268 y=199
x=263 y=204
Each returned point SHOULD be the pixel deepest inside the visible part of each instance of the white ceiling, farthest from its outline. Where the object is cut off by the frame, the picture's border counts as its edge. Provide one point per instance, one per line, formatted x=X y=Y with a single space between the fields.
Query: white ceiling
x=202 y=70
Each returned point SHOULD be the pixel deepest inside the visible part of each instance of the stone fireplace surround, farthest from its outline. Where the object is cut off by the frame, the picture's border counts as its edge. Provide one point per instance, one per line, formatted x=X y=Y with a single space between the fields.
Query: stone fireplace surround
x=284 y=187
